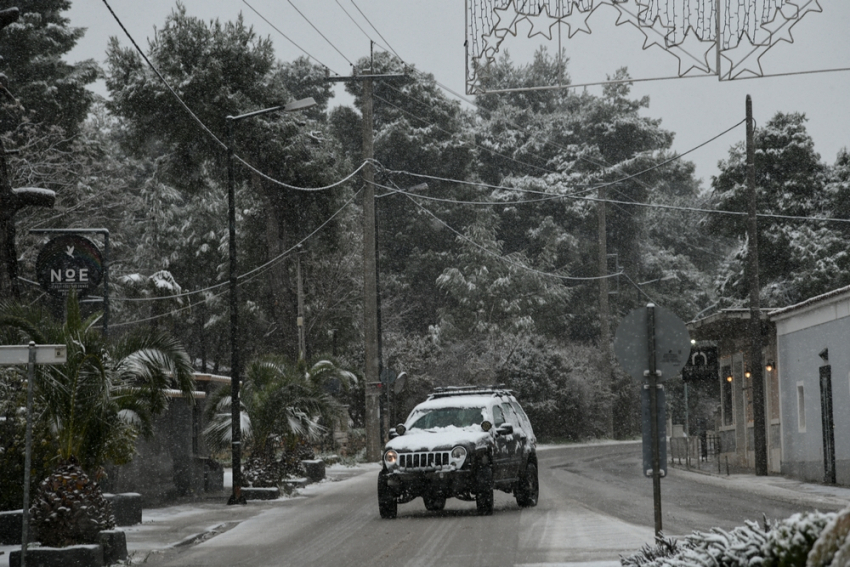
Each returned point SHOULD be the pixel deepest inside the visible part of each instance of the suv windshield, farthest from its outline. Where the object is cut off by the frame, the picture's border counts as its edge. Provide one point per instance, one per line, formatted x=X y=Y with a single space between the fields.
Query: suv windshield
x=445 y=417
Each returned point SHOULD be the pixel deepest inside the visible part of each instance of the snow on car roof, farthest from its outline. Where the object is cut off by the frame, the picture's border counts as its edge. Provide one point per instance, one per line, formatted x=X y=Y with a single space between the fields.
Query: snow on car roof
x=470 y=401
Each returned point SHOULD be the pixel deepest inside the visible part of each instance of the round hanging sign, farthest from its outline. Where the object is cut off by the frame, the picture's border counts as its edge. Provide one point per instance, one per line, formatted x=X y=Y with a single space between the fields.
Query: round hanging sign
x=69 y=262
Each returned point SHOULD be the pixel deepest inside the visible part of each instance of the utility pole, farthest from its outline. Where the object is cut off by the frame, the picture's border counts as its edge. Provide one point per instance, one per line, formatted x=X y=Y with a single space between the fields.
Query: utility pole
x=302 y=349
x=604 y=310
x=759 y=435
x=371 y=340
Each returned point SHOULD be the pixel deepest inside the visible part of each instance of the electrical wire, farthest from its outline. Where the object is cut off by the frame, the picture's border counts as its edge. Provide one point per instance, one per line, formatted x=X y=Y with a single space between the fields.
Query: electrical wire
x=304 y=51
x=376 y=30
x=506 y=259
x=251 y=274
x=296 y=188
x=306 y=19
x=595 y=200
x=203 y=126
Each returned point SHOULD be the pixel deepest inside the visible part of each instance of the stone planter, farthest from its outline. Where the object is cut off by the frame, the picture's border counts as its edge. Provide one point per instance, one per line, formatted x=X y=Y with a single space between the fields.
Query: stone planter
x=73 y=556
x=111 y=549
x=114 y=545
x=261 y=493
x=126 y=507
x=315 y=470
x=10 y=527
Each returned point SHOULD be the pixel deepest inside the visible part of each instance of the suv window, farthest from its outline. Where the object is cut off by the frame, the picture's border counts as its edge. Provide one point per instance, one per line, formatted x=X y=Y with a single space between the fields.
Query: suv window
x=445 y=417
x=498 y=416
x=511 y=415
x=526 y=423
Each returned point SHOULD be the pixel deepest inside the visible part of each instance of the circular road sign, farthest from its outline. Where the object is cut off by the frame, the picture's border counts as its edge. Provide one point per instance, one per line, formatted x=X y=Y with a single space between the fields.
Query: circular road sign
x=672 y=343
x=69 y=262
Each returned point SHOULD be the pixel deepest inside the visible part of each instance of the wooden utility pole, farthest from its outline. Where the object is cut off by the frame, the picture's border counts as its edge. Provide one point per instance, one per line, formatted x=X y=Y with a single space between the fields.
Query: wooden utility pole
x=302 y=348
x=759 y=434
x=371 y=341
x=604 y=310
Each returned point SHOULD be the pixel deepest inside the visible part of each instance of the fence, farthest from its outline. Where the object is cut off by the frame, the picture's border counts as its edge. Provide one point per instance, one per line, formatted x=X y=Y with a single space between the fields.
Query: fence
x=700 y=452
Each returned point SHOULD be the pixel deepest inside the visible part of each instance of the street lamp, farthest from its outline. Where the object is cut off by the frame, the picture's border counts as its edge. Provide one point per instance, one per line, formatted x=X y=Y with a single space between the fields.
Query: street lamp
x=235 y=369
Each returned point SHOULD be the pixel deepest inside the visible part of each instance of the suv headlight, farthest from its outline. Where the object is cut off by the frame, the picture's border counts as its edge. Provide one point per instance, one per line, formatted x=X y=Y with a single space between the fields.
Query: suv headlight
x=391 y=459
x=457 y=457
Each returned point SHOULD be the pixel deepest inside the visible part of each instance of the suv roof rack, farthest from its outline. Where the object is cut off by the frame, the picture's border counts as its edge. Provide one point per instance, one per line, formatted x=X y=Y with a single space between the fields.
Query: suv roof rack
x=447 y=391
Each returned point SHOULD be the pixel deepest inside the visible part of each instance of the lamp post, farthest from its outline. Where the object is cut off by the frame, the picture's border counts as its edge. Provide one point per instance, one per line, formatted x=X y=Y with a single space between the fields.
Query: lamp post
x=235 y=361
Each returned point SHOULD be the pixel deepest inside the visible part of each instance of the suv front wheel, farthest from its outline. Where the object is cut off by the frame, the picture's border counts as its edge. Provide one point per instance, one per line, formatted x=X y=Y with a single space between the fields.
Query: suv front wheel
x=387 y=503
x=484 y=491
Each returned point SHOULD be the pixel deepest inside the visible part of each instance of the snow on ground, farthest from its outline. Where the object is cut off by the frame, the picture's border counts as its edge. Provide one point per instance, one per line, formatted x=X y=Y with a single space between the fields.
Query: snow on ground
x=157 y=532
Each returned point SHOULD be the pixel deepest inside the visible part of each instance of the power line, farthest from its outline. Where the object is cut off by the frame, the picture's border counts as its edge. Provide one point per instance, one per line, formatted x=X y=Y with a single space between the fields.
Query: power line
x=591 y=199
x=502 y=258
x=376 y=30
x=304 y=51
x=203 y=126
x=246 y=277
x=320 y=33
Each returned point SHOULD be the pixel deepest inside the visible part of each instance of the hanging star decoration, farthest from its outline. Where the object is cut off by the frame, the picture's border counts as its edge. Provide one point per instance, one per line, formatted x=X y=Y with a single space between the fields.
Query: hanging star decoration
x=744 y=58
x=686 y=29
x=692 y=53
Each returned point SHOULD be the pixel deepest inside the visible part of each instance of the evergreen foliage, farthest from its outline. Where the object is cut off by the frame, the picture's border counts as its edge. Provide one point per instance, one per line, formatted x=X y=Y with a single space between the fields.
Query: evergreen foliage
x=49 y=91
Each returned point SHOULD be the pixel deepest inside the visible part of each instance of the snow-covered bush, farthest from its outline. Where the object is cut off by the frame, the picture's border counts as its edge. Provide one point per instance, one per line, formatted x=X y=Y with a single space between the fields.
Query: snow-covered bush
x=832 y=547
x=789 y=541
x=785 y=543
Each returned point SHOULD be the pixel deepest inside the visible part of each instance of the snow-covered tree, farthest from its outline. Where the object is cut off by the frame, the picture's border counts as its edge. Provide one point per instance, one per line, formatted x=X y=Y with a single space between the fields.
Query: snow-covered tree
x=798 y=258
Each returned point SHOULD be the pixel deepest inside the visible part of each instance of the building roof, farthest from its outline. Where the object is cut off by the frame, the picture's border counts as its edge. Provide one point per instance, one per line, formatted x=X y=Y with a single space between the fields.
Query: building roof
x=725 y=324
x=836 y=294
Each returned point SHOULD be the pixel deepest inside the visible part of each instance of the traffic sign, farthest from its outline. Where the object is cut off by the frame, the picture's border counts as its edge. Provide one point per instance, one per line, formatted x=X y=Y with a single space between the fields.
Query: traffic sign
x=69 y=262
x=672 y=343
x=15 y=355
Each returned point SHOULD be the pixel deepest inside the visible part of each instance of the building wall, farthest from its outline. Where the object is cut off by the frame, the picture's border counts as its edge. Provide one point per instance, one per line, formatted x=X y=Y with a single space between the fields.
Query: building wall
x=801 y=337
x=172 y=462
x=735 y=421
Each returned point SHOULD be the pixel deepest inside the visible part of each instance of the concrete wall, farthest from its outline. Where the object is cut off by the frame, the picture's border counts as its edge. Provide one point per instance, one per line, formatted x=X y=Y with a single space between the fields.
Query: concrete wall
x=801 y=335
x=173 y=461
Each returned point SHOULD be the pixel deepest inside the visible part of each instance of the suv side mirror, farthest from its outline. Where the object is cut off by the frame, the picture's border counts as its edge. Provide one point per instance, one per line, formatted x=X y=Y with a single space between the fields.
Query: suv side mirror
x=505 y=429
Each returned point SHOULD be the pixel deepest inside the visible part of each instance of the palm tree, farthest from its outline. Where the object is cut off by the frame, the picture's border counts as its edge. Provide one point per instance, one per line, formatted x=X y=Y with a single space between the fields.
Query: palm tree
x=91 y=410
x=282 y=404
x=97 y=403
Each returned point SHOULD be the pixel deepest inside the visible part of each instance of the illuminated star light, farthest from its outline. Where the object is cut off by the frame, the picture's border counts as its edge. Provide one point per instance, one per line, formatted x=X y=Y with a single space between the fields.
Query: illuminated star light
x=509 y=12
x=576 y=20
x=541 y=24
x=655 y=34
x=692 y=53
x=745 y=51
x=804 y=7
x=780 y=28
x=628 y=13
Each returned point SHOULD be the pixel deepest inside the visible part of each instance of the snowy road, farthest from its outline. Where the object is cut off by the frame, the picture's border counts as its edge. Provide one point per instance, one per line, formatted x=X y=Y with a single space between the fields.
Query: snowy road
x=594 y=506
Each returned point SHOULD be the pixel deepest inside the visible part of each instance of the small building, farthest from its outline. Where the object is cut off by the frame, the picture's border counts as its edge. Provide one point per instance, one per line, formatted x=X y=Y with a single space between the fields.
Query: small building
x=813 y=345
x=174 y=461
x=729 y=331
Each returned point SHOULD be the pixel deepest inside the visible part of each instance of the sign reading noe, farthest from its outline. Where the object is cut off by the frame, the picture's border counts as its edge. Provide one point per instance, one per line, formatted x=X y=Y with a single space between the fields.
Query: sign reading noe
x=69 y=262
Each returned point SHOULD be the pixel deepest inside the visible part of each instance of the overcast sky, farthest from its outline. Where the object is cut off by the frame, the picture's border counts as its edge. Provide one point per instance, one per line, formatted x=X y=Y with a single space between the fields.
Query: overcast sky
x=430 y=34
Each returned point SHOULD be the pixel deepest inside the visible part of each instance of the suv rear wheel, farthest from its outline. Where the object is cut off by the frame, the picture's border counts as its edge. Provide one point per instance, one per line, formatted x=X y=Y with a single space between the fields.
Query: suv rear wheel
x=527 y=488
x=387 y=503
x=484 y=491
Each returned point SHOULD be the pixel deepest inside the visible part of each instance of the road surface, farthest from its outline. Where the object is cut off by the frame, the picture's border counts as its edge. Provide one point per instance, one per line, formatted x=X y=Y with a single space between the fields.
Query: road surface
x=594 y=506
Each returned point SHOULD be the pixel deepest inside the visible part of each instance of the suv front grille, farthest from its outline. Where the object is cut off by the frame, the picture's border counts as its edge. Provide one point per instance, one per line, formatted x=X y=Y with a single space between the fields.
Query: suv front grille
x=428 y=461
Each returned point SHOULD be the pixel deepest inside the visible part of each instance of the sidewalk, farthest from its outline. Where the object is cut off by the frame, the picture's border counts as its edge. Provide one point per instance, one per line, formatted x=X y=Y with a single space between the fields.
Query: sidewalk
x=193 y=520
x=774 y=486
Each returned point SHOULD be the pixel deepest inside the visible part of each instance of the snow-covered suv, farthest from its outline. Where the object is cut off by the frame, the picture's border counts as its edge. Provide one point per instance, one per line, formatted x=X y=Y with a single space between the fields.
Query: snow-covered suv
x=462 y=442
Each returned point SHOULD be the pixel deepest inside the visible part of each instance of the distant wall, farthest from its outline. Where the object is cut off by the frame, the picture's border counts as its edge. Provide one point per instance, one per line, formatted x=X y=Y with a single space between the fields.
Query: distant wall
x=172 y=462
x=801 y=336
